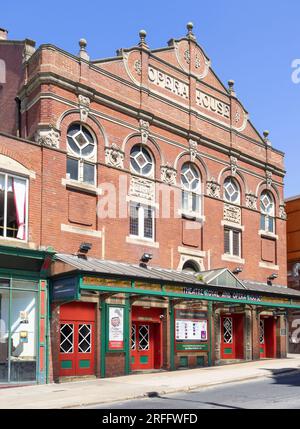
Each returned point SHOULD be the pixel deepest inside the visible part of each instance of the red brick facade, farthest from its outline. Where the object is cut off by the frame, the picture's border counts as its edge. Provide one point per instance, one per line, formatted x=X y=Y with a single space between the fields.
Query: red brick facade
x=121 y=93
x=171 y=101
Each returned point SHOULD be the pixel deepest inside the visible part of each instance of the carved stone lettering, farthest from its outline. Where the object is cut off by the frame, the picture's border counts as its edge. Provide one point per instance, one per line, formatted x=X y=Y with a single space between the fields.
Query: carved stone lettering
x=142 y=188
x=232 y=214
x=168 y=82
x=212 y=104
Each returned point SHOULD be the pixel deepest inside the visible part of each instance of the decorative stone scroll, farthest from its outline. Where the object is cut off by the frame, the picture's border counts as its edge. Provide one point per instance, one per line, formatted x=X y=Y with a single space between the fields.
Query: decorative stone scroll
x=233 y=165
x=48 y=136
x=282 y=212
x=114 y=156
x=168 y=175
x=213 y=188
x=144 y=129
x=269 y=178
x=232 y=214
x=193 y=150
x=142 y=188
x=84 y=107
x=251 y=201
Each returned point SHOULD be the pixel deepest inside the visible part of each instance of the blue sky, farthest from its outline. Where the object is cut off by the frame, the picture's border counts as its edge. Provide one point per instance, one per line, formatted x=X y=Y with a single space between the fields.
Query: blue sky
x=253 y=43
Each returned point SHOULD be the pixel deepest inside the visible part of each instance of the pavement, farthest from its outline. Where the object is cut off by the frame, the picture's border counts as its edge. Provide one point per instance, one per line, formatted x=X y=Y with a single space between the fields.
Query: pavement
x=77 y=394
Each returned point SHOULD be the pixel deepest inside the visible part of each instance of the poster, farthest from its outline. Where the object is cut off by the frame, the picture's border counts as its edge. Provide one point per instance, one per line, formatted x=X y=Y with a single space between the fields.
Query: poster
x=191 y=330
x=116 y=328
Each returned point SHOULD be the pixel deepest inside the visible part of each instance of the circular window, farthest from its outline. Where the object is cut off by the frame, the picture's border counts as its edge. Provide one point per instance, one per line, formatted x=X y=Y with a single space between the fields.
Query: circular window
x=80 y=141
x=190 y=179
x=231 y=191
x=141 y=161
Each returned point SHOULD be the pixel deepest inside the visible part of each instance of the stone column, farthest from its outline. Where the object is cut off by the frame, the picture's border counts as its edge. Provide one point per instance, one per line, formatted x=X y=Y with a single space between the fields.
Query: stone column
x=248 y=336
x=255 y=334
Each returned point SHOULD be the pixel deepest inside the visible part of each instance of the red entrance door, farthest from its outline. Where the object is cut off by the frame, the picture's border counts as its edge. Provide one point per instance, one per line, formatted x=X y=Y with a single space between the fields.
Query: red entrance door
x=77 y=339
x=142 y=345
x=267 y=337
x=232 y=336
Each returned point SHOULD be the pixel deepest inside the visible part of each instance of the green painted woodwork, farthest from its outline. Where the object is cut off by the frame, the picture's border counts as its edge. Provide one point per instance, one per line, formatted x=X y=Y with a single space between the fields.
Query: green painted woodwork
x=132 y=360
x=189 y=347
x=84 y=363
x=103 y=339
x=200 y=360
x=210 y=319
x=185 y=296
x=172 y=336
x=66 y=364
x=227 y=351
x=261 y=350
x=127 y=335
x=183 y=361
x=25 y=253
x=144 y=360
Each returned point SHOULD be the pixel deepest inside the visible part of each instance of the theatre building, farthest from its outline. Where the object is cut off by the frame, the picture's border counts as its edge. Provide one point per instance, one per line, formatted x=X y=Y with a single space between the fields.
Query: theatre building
x=154 y=213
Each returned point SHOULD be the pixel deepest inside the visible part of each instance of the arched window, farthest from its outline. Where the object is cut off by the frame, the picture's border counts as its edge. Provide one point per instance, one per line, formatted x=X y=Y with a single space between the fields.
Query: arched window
x=191 y=189
x=141 y=161
x=267 y=209
x=81 y=147
x=232 y=191
x=190 y=267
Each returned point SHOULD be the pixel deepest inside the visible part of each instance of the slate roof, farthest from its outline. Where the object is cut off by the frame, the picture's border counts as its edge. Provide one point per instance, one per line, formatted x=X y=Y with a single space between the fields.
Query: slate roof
x=134 y=271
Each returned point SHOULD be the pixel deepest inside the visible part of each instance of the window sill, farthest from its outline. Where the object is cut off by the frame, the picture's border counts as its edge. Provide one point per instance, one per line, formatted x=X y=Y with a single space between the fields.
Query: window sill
x=232 y=258
x=191 y=216
x=263 y=233
x=141 y=242
x=269 y=266
x=73 y=184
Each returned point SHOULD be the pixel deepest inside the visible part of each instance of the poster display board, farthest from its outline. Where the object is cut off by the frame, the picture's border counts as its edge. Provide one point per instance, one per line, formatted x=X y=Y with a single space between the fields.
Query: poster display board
x=115 y=328
x=191 y=330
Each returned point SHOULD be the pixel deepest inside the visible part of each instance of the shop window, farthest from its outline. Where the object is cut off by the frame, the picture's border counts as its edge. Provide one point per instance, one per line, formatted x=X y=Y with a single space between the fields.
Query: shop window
x=232 y=191
x=142 y=221
x=267 y=208
x=141 y=161
x=18 y=330
x=81 y=147
x=191 y=188
x=13 y=207
x=232 y=242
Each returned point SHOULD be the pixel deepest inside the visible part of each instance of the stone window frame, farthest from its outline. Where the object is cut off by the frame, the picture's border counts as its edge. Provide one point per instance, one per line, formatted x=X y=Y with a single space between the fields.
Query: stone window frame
x=133 y=170
x=266 y=215
x=81 y=159
x=235 y=184
x=193 y=194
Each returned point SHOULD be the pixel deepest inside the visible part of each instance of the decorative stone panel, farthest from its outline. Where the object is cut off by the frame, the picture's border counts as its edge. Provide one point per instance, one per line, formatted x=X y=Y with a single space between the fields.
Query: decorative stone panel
x=282 y=212
x=47 y=136
x=168 y=175
x=213 y=188
x=114 y=156
x=232 y=214
x=193 y=150
x=251 y=201
x=142 y=188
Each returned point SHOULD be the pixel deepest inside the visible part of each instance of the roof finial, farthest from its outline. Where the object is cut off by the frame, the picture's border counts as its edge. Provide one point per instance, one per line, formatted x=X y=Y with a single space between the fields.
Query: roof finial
x=190 y=34
x=142 y=43
x=83 y=53
x=231 y=87
x=266 y=134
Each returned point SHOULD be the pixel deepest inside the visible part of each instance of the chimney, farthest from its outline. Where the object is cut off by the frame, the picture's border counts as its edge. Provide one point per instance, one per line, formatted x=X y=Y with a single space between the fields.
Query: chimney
x=3 y=34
